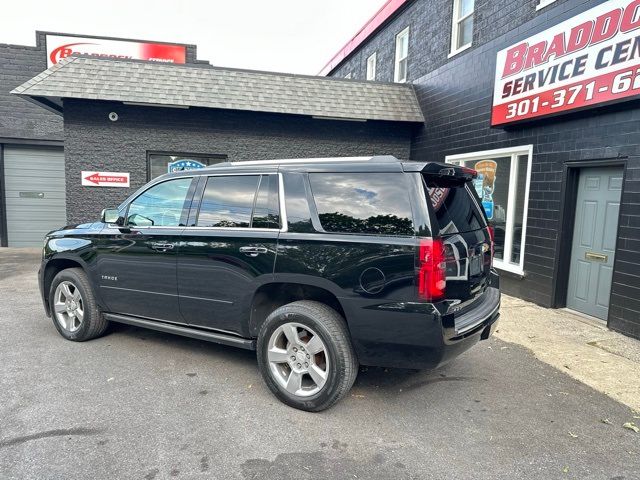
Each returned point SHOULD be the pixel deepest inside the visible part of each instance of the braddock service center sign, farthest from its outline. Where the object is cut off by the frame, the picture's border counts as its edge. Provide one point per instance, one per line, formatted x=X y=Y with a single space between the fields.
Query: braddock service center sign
x=60 y=46
x=590 y=59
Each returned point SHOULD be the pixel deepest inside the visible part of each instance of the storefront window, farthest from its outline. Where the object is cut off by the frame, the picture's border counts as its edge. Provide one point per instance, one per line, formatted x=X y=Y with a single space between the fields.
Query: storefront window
x=502 y=185
x=161 y=163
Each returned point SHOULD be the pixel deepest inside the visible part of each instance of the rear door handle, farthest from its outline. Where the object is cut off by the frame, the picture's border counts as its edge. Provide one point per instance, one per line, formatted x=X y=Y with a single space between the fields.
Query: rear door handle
x=162 y=247
x=253 y=251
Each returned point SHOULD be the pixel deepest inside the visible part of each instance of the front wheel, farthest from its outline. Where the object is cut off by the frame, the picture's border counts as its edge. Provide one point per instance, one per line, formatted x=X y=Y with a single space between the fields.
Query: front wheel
x=73 y=306
x=305 y=355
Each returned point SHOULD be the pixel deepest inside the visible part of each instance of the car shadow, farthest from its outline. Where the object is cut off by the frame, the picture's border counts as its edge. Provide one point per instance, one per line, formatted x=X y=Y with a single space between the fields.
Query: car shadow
x=184 y=344
x=406 y=380
x=385 y=380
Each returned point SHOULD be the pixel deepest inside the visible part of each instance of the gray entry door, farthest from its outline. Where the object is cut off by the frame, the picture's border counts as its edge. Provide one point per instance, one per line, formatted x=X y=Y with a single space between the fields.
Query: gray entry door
x=594 y=240
x=35 y=193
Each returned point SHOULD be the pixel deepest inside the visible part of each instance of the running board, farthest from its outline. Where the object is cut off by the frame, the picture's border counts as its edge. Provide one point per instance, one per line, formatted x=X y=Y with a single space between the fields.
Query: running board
x=221 y=338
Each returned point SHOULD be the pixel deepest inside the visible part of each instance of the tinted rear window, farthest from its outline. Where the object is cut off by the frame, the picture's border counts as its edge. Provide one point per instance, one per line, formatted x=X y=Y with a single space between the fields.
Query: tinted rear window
x=228 y=201
x=369 y=203
x=266 y=213
x=455 y=208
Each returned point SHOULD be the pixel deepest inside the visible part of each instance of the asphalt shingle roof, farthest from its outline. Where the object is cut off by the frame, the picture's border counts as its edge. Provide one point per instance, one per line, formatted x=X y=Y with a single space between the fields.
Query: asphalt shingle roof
x=213 y=87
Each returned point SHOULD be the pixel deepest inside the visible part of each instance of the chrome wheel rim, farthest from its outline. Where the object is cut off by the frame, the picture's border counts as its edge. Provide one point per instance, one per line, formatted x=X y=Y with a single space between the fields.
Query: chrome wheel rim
x=298 y=359
x=68 y=306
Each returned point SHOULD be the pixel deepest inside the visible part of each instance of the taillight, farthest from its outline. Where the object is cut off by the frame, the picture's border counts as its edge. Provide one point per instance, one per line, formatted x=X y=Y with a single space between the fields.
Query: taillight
x=432 y=276
x=492 y=236
x=469 y=171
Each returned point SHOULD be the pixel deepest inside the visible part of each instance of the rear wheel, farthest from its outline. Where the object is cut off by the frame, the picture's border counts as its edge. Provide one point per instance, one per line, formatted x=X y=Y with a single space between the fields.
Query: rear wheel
x=73 y=306
x=305 y=355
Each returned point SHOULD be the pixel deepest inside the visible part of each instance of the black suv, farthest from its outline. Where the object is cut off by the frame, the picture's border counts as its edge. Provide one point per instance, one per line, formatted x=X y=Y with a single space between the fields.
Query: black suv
x=319 y=265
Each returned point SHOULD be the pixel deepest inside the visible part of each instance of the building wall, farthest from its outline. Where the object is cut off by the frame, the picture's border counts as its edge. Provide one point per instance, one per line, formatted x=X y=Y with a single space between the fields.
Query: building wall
x=430 y=23
x=19 y=118
x=93 y=142
x=456 y=96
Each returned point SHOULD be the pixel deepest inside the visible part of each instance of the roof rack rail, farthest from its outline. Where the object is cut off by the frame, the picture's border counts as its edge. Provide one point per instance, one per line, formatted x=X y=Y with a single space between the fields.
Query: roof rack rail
x=375 y=158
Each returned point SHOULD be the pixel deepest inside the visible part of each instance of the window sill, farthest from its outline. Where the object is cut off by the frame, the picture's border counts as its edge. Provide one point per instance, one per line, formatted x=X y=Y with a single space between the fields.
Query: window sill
x=460 y=50
x=544 y=4
x=506 y=267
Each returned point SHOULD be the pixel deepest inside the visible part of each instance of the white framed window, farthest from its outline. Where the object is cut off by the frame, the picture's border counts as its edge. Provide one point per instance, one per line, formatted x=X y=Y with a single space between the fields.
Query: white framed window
x=462 y=33
x=402 y=52
x=502 y=184
x=544 y=3
x=347 y=76
x=371 y=66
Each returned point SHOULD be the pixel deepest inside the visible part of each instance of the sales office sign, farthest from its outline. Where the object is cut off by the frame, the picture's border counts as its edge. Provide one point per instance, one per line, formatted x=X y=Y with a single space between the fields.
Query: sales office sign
x=104 y=179
x=590 y=59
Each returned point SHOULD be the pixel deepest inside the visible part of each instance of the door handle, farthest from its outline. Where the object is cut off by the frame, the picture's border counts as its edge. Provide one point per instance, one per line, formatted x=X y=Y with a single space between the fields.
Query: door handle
x=253 y=251
x=162 y=247
x=598 y=257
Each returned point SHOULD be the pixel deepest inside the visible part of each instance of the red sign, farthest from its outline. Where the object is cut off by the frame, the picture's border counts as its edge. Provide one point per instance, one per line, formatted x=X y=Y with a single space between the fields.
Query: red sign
x=590 y=59
x=105 y=179
x=60 y=46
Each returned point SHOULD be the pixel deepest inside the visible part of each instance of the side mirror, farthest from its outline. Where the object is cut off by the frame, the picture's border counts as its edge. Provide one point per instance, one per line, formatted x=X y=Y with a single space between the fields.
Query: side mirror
x=111 y=215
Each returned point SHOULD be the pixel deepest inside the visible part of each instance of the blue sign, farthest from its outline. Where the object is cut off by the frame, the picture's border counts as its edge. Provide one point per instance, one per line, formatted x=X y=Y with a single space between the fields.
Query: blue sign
x=488 y=207
x=184 y=164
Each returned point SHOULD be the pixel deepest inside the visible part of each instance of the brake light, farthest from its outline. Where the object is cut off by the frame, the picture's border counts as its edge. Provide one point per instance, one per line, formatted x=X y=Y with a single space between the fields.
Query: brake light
x=469 y=171
x=492 y=236
x=432 y=278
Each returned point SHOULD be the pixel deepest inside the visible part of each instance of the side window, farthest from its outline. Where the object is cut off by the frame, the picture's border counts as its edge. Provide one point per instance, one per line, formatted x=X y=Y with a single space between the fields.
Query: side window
x=402 y=52
x=161 y=205
x=266 y=213
x=462 y=25
x=371 y=66
x=228 y=201
x=297 y=206
x=369 y=203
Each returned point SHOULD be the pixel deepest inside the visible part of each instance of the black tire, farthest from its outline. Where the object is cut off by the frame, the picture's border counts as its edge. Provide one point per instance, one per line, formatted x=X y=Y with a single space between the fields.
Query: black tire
x=93 y=323
x=332 y=330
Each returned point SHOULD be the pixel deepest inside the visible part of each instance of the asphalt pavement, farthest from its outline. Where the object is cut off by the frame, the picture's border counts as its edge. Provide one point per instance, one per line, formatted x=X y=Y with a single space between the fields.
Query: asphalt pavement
x=147 y=405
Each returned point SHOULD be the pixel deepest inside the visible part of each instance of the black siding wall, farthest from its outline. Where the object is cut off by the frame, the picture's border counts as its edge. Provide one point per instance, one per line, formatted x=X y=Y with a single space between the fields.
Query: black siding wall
x=456 y=96
x=19 y=118
x=93 y=142
x=429 y=23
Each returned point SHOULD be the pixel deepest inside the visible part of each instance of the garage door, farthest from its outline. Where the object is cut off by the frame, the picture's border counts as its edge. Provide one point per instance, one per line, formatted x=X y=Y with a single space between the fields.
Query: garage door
x=35 y=193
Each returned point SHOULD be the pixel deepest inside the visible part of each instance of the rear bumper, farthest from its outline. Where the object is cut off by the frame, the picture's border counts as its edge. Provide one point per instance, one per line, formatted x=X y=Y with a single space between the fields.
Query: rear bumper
x=417 y=335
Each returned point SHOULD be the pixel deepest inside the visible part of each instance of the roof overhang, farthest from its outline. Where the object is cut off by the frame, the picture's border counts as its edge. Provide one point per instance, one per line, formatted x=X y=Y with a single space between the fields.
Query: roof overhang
x=184 y=86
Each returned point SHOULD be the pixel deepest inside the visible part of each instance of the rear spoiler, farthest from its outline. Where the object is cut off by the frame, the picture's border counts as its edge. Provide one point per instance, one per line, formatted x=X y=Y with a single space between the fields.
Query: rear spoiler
x=444 y=171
